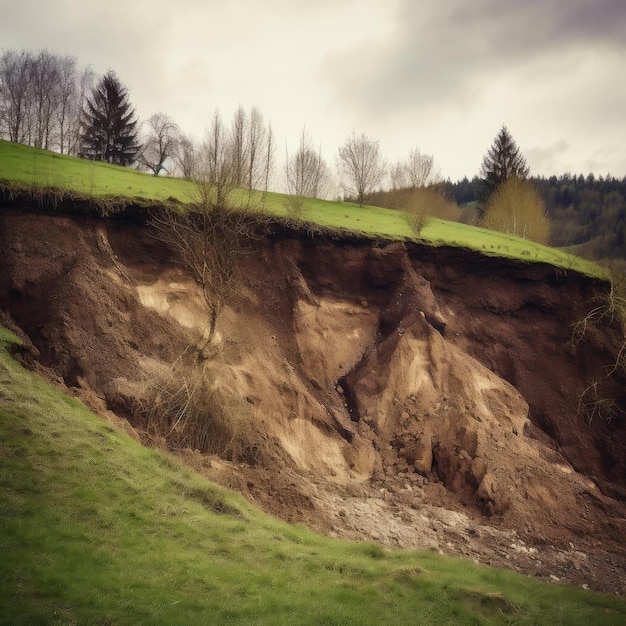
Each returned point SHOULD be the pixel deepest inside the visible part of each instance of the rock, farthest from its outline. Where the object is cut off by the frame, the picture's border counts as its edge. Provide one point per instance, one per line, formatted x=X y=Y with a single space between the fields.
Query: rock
x=486 y=489
x=479 y=469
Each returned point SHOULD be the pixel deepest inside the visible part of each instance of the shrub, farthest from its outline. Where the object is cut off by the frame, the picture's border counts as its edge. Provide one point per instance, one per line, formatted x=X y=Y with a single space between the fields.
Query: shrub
x=422 y=203
x=516 y=208
x=593 y=403
x=609 y=309
x=189 y=410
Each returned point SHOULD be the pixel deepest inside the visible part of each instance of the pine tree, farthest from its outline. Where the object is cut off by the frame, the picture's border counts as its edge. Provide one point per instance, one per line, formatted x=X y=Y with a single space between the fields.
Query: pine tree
x=109 y=125
x=503 y=161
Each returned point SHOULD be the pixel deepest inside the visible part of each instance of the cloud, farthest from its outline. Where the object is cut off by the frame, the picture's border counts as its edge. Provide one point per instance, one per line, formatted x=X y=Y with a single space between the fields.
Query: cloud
x=546 y=158
x=449 y=74
x=439 y=76
x=452 y=50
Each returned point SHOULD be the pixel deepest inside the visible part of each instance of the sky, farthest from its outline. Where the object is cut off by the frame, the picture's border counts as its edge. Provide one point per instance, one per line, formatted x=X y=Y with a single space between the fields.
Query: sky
x=440 y=76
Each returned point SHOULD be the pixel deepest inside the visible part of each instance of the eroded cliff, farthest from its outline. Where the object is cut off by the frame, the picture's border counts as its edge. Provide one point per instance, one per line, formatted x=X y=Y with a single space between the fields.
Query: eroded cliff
x=420 y=397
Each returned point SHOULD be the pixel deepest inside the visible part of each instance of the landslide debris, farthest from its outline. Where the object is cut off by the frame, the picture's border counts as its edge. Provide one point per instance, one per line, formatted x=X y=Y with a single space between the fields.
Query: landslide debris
x=419 y=397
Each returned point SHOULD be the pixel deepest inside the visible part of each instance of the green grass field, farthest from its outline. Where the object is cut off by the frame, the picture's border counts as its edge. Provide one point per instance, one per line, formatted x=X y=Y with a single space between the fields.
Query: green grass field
x=96 y=529
x=30 y=166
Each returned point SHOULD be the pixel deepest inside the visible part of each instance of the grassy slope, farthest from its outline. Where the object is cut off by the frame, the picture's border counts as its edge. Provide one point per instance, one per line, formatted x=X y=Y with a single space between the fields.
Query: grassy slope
x=97 y=529
x=26 y=165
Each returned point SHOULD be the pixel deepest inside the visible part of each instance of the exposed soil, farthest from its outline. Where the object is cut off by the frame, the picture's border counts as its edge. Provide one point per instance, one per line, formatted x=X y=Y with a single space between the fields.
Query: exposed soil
x=417 y=397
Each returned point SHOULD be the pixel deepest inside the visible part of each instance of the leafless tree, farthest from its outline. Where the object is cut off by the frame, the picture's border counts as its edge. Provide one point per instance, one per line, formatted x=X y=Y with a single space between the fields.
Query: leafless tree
x=41 y=96
x=251 y=149
x=14 y=88
x=360 y=166
x=211 y=238
x=306 y=174
x=267 y=168
x=160 y=143
x=185 y=156
x=261 y=175
x=239 y=146
x=210 y=241
x=256 y=155
x=84 y=86
x=45 y=97
x=215 y=172
x=417 y=171
x=68 y=95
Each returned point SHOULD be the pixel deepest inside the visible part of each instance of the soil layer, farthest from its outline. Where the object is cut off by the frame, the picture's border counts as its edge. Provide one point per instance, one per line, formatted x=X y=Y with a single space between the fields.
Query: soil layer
x=424 y=398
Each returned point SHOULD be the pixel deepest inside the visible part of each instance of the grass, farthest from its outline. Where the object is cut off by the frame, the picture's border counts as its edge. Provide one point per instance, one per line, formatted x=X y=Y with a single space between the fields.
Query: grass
x=7 y=339
x=96 y=529
x=30 y=166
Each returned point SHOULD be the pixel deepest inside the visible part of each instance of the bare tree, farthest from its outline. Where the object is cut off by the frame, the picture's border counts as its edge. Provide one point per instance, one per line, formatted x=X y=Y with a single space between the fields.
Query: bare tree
x=211 y=237
x=257 y=136
x=251 y=149
x=215 y=172
x=361 y=167
x=417 y=171
x=68 y=95
x=185 y=156
x=160 y=143
x=239 y=146
x=268 y=160
x=84 y=86
x=41 y=96
x=210 y=241
x=306 y=174
x=45 y=97
x=14 y=88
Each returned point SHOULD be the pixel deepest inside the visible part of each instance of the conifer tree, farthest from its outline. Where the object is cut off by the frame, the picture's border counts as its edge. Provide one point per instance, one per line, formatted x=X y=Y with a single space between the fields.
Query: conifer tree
x=503 y=161
x=109 y=125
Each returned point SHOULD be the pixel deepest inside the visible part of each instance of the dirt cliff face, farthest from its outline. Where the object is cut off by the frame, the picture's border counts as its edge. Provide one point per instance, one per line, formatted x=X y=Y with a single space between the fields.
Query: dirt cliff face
x=420 y=397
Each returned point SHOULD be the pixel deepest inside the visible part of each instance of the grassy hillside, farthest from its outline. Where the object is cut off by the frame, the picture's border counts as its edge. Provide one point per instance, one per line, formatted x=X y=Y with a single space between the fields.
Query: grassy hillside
x=30 y=166
x=96 y=529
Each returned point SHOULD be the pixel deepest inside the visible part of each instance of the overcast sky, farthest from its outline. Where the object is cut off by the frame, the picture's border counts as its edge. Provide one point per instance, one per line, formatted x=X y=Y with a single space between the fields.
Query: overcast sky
x=442 y=76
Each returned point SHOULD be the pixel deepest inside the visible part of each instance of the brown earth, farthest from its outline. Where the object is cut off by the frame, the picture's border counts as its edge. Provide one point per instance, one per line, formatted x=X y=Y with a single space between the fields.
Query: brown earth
x=418 y=397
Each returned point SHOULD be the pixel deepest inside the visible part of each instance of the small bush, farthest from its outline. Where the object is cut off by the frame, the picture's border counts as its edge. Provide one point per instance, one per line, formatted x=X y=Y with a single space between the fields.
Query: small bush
x=422 y=203
x=609 y=308
x=190 y=411
x=592 y=403
x=417 y=219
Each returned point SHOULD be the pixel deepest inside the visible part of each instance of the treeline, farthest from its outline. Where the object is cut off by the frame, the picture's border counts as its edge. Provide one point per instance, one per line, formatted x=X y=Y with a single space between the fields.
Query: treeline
x=584 y=211
x=588 y=212
x=48 y=101
x=42 y=95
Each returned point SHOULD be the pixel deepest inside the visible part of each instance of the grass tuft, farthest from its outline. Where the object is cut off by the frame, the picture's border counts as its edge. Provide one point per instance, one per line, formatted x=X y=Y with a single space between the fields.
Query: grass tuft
x=7 y=338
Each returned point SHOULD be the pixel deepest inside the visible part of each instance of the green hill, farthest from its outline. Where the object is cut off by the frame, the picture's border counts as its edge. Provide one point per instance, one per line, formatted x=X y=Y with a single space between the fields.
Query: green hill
x=96 y=529
x=39 y=169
